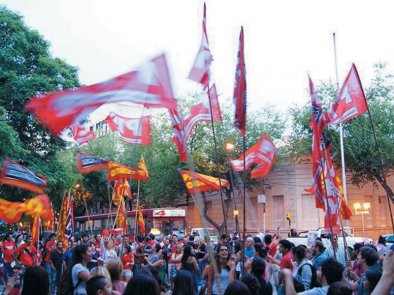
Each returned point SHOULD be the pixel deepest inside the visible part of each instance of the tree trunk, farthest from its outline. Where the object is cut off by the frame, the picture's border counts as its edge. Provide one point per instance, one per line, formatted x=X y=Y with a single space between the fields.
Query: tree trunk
x=385 y=186
x=209 y=219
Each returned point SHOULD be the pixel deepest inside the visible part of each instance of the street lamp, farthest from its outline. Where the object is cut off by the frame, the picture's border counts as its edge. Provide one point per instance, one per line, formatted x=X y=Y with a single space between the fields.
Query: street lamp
x=361 y=209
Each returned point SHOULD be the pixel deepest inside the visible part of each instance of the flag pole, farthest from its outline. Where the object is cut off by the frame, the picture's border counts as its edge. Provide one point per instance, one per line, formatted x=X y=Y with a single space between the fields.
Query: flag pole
x=343 y=166
x=382 y=170
x=244 y=201
x=137 y=208
x=217 y=160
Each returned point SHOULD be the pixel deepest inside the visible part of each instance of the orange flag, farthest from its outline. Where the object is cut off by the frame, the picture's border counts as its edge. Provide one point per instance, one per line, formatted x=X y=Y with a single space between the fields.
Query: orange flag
x=11 y=212
x=201 y=182
x=142 y=167
x=35 y=229
x=141 y=223
x=118 y=171
x=121 y=217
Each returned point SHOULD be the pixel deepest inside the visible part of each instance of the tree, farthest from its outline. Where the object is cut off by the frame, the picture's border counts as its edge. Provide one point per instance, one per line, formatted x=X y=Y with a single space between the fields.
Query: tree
x=360 y=150
x=28 y=69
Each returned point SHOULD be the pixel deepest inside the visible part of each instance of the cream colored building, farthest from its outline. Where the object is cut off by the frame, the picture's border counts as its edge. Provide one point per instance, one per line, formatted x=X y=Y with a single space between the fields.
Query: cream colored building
x=285 y=194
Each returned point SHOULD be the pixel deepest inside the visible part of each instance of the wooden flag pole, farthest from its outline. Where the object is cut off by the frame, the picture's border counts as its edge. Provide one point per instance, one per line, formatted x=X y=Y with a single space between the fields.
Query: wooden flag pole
x=217 y=160
x=137 y=209
x=244 y=202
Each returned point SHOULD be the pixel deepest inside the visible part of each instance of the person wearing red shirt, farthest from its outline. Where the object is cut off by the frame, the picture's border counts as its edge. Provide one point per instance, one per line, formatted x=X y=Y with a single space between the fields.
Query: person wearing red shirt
x=284 y=249
x=8 y=249
x=24 y=254
x=49 y=247
x=127 y=262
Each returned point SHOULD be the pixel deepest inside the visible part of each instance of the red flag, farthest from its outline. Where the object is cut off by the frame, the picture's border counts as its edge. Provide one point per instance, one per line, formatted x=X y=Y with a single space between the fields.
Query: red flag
x=19 y=176
x=81 y=134
x=131 y=130
x=200 y=71
x=351 y=100
x=179 y=134
x=87 y=163
x=201 y=112
x=149 y=85
x=65 y=228
x=262 y=153
x=202 y=183
x=35 y=229
x=239 y=97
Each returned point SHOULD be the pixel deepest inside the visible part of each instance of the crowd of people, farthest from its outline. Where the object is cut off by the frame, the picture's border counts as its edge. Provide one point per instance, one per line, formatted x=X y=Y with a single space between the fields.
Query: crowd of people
x=189 y=266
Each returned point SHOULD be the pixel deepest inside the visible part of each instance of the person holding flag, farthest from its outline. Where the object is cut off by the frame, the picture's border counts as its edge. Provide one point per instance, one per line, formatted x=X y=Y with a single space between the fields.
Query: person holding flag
x=25 y=253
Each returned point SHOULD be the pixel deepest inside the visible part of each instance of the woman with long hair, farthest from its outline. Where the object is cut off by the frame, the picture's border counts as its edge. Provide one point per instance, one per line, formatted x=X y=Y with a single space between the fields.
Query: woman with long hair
x=175 y=261
x=35 y=281
x=114 y=267
x=142 y=284
x=82 y=254
x=182 y=283
x=127 y=262
x=108 y=249
x=217 y=284
x=161 y=267
x=189 y=263
x=258 y=270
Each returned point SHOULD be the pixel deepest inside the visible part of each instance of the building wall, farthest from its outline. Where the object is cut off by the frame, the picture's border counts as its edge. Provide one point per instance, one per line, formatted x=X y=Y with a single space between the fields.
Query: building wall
x=286 y=195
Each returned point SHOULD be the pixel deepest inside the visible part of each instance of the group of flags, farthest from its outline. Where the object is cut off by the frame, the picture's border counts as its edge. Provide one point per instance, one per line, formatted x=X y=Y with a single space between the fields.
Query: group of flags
x=327 y=186
x=65 y=228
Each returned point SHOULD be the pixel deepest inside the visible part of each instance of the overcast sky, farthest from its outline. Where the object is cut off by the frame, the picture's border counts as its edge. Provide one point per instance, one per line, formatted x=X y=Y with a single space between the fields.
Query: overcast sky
x=284 y=40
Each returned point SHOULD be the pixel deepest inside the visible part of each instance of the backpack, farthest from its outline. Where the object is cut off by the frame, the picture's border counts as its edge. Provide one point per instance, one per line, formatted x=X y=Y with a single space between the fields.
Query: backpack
x=298 y=286
x=66 y=286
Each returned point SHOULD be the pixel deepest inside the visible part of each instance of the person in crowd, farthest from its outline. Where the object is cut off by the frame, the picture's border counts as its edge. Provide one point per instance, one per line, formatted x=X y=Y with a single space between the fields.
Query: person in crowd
x=56 y=261
x=249 y=247
x=19 y=240
x=381 y=246
x=386 y=282
x=125 y=242
x=99 y=285
x=270 y=243
x=302 y=272
x=151 y=270
x=80 y=273
x=14 y=282
x=97 y=240
x=285 y=250
x=161 y=267
x=142 y=284
x=330 y=271
x=226 y=271
x=236 y=288
x=182 y=282
x=174 y=243
x=340 y=288
x=259 y=271
x=138 y=254
x=50 y=246
x=35 y=281
x=368 y=259
x=252 y=283
x=176 y=261
x=357 y=265
x=100 y=271
x=372 y=278
x=9 y=248
x=114 y=267
x=86 y=239
x=108 y=249
x=189 y=263
x=127 y=263
x=319 y=254
x=67 y=257
x=25 y=252
x=340 y=254
x=95 y=257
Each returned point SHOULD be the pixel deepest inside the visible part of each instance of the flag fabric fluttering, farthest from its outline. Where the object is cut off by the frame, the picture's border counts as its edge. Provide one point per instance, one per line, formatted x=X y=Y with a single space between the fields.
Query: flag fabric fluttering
x=65 y=228
x=131 y=130
x=121 y=216
x=142 y=166
x=351 y=101
x=141 y=223
x=11 y=212
x=82 y=134
x=35 y=229
x=149 y=85
x=118 y=171
x=239 y=97
x=17 y=175
x=179 y=133
x=201 y=112
x=121 y=189
x=87 y=163
x=262 y=154
x=200 y=71
x=200 y=182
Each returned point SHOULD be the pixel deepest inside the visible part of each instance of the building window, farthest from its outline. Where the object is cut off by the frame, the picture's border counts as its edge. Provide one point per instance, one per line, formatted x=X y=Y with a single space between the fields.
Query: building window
x=310 y=214
x=381 y=212
x=278 y=211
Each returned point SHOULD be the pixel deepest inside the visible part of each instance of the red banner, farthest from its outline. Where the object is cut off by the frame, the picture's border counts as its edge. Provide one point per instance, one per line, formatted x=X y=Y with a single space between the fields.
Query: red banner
x=87 y=163
x=179 y=134
x=131 y=130
x=149 y=85
x=81 y=134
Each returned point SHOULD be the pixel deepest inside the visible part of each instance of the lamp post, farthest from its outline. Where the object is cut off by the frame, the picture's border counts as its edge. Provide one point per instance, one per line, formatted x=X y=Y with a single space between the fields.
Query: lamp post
x=361 y=209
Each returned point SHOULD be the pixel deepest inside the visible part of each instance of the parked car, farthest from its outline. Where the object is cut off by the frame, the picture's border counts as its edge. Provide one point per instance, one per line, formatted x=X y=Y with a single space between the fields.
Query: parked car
x=389 y=240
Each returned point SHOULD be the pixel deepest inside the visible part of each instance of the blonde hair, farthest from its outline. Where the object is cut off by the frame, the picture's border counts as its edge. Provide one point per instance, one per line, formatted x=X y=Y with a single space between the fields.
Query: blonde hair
x=114 y=267
x=100 y=271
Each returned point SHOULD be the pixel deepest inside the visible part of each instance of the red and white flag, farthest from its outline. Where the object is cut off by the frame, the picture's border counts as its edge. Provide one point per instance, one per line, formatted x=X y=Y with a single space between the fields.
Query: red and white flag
x=179 y=134
x=201 y=112
x=82 y=134
x=263 y=154
x=239 y=97
x=351 y=100
x=131 y=130
x=200 y=71
x=149 y=85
